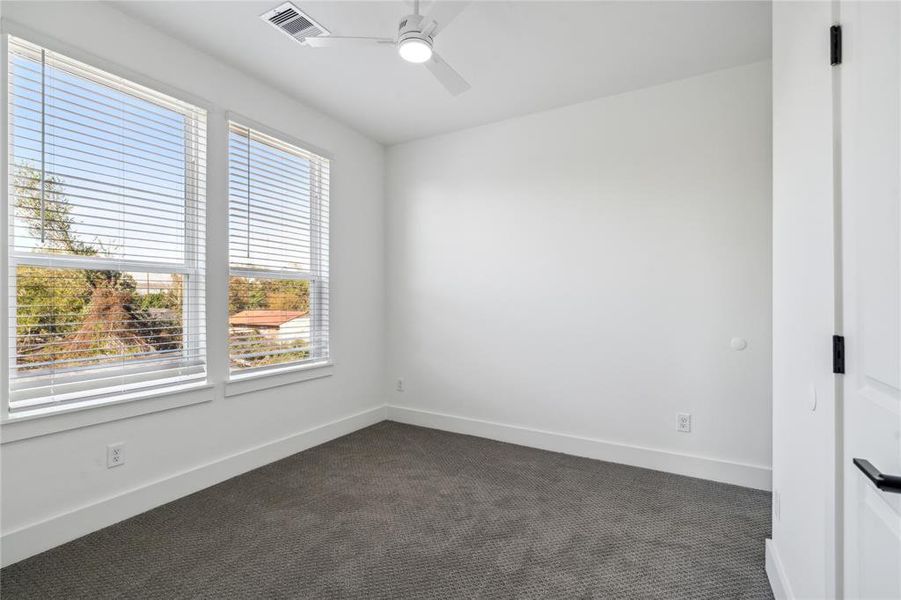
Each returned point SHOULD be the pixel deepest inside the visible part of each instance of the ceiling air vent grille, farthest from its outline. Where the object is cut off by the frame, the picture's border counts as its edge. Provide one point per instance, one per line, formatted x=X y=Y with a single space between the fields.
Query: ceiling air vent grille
x=291 y=21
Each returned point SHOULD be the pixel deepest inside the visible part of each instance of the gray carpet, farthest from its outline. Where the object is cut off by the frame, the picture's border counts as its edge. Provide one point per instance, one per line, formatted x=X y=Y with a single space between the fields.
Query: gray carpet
x=395 y=511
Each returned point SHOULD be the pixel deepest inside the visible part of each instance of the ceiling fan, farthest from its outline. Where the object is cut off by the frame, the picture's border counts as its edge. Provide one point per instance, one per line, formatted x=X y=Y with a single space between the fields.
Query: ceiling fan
x=415 y=38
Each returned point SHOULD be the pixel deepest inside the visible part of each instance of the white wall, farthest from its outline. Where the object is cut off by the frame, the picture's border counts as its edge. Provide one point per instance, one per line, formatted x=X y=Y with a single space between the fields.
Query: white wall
x=801 y=557
x=581 y=271
x=57 y=487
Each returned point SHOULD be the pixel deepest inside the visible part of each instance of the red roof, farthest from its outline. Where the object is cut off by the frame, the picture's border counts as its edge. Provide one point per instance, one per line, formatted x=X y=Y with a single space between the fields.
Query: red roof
x=265 y=318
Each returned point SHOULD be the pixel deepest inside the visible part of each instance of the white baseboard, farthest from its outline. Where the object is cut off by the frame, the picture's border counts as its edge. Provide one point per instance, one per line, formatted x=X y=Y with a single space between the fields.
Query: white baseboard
x=35 y=538
x=776 y=573
x=746 y=475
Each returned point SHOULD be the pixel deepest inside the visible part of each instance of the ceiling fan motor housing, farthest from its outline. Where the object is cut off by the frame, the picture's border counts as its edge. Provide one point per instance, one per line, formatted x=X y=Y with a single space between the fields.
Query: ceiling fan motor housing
x=410 y=28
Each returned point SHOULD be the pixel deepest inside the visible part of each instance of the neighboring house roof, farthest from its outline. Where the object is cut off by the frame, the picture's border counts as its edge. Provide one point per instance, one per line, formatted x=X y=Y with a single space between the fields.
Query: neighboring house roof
x=264 y=318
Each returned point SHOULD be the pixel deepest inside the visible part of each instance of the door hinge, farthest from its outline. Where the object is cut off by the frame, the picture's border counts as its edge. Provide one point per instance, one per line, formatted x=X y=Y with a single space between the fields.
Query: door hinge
x=835 y=45
x=838 y=354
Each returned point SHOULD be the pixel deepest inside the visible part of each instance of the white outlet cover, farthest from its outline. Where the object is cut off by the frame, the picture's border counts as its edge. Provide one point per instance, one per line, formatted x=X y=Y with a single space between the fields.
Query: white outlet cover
x=115 y=455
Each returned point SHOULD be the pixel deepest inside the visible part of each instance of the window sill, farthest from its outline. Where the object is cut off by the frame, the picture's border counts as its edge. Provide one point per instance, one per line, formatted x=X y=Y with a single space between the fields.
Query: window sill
x=44 y=421
x=252 y=382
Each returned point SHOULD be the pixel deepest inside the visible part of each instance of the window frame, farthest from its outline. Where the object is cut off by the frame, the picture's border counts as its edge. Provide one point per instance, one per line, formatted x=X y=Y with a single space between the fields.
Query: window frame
x=99 y=407
x=259 y=378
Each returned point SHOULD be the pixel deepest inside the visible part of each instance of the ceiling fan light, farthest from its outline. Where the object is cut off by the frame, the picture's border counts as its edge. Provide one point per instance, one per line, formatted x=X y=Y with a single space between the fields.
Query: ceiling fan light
x=414 y=50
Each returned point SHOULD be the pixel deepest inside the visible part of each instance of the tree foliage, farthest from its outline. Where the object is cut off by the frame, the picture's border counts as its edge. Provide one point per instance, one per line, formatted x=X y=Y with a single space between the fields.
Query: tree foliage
x=267 y=294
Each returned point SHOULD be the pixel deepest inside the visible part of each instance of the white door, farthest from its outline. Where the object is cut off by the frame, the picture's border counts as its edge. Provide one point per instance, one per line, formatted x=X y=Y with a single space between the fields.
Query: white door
x=870 y=77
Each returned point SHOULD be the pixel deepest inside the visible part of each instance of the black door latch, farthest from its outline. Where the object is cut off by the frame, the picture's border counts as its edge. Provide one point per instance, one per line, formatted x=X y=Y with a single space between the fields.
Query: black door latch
x=838 y=354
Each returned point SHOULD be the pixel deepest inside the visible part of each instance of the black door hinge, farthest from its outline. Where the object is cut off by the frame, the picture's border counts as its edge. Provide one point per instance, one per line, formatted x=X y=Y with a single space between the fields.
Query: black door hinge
x=835 y=45
x=838 y=354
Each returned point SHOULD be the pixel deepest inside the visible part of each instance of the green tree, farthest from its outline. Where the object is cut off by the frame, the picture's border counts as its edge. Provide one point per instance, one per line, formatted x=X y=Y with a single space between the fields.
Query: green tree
x=287 y=294
x=238 y=288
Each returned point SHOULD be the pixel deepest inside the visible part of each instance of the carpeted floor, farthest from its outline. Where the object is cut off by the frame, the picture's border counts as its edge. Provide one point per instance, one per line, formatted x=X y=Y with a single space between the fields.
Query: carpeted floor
x=395 y=511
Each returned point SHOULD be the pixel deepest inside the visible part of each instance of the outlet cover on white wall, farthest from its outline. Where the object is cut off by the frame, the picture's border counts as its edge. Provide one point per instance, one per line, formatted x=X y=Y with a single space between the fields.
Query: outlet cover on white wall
x=683 y=423
x=115 y=455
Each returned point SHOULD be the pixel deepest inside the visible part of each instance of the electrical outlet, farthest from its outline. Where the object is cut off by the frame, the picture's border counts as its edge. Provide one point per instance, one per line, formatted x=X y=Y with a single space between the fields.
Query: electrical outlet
x=400 y=384
x=683 y=423
x=777 y=505
x=115 y=455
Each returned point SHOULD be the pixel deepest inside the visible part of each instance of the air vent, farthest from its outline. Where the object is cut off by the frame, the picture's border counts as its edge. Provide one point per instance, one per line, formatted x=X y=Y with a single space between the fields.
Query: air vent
x=290 y=20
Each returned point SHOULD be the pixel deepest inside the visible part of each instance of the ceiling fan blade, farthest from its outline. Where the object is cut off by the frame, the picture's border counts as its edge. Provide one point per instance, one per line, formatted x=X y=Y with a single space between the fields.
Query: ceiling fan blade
x=335 y=41
x=440 y=15
x=452 y=81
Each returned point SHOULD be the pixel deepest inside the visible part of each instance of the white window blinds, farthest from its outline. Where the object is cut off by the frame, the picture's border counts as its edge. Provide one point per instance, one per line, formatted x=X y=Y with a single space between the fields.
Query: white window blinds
x=278 y=253
x=106 y=249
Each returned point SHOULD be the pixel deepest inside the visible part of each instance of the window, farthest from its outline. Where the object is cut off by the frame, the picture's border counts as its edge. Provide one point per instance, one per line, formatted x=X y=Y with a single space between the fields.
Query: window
x=106 y=248
x=278 y=253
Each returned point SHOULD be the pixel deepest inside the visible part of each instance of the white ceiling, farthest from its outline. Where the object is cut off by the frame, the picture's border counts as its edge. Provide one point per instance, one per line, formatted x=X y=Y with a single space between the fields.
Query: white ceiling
x=520 y=57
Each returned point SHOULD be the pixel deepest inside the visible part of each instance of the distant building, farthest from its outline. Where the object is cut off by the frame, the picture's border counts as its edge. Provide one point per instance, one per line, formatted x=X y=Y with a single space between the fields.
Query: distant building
x=281 y=324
